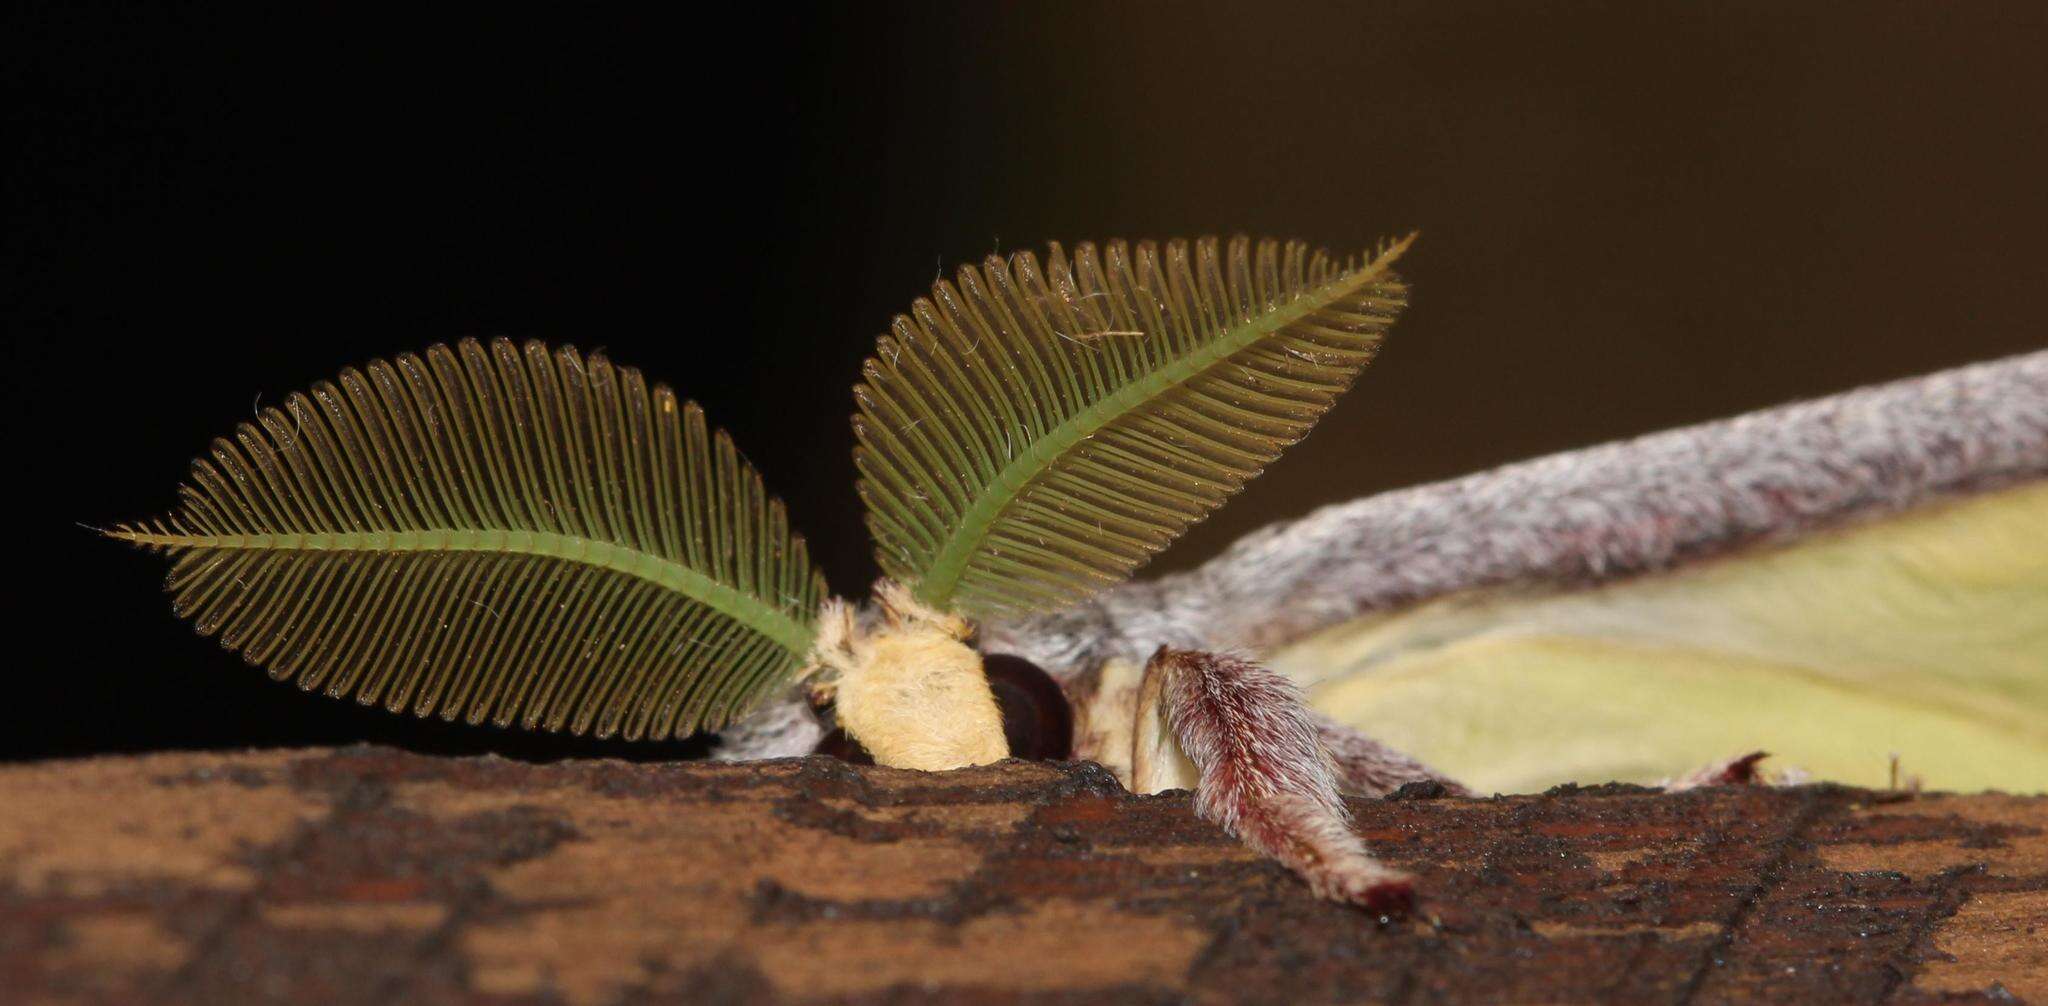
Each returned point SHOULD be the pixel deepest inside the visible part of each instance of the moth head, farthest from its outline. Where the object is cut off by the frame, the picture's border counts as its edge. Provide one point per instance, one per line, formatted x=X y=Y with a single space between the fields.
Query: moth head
x=1033 y=432
x=1036 y=712
x=908 y=690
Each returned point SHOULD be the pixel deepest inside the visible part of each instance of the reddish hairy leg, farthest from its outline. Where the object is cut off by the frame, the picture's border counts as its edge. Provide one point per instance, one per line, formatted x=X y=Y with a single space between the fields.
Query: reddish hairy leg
x=1260 y=770
x=1365 y=767
x=1741 y=771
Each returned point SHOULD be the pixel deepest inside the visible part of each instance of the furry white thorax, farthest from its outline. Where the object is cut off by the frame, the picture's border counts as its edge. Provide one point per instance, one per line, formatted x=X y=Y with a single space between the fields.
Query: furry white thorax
x=1158 y=762
x=1105 y=718
x=909 y=688
x=1121 y=724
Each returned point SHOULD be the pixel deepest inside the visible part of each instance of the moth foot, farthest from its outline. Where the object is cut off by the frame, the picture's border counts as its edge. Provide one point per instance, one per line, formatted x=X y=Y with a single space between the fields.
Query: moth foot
x=1379 y=890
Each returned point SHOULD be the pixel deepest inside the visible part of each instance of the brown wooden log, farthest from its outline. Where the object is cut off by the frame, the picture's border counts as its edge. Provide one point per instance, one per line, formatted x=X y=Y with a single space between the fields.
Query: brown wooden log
x=374 y=875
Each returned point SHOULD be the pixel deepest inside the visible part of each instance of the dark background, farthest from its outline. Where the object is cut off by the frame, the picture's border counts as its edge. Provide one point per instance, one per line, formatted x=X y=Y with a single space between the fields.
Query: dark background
x=1634 y=217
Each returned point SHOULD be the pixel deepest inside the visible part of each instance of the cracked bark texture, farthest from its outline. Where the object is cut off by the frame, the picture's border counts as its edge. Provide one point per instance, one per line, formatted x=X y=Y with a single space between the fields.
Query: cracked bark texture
x=375 y=875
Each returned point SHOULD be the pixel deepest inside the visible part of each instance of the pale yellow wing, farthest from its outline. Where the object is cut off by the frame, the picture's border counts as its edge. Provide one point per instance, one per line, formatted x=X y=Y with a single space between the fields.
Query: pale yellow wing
x=1923 y=635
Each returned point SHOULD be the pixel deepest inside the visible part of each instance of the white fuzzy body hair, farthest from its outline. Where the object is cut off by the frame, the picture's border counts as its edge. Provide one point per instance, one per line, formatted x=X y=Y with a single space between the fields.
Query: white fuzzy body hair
x=1579 y=518
x=1157 y=759
x=1106 y=717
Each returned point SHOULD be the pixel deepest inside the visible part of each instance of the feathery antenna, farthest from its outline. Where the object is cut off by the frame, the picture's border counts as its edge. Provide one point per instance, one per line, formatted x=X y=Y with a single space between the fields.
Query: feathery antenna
x=496 y=533
x=1029 y=436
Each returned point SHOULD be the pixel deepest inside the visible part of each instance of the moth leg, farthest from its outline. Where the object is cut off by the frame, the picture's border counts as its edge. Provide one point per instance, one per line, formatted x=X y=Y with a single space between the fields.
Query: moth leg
x=1742 y=771
x=1258 y=768
x=1366 y=767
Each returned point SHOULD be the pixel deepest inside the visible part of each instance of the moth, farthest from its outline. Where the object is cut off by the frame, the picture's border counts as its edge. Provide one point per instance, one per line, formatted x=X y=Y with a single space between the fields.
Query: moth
x=508 y=534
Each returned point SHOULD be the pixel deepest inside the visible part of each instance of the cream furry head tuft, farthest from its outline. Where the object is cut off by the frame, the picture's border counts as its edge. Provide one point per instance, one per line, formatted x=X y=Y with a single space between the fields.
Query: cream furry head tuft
x=909 y=688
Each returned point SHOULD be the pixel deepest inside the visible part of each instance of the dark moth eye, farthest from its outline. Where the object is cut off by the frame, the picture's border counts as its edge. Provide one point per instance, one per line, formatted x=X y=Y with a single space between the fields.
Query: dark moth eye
x=1037 y=721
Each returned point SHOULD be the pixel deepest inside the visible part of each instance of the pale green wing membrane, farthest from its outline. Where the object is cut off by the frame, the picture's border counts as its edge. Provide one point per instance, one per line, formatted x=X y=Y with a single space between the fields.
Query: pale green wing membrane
x=1031 y=435
x=1922 y=635
x=496 y=533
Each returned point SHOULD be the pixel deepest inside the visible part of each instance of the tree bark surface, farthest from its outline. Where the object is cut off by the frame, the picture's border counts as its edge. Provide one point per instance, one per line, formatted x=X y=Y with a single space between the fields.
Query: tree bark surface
x=376 y=875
